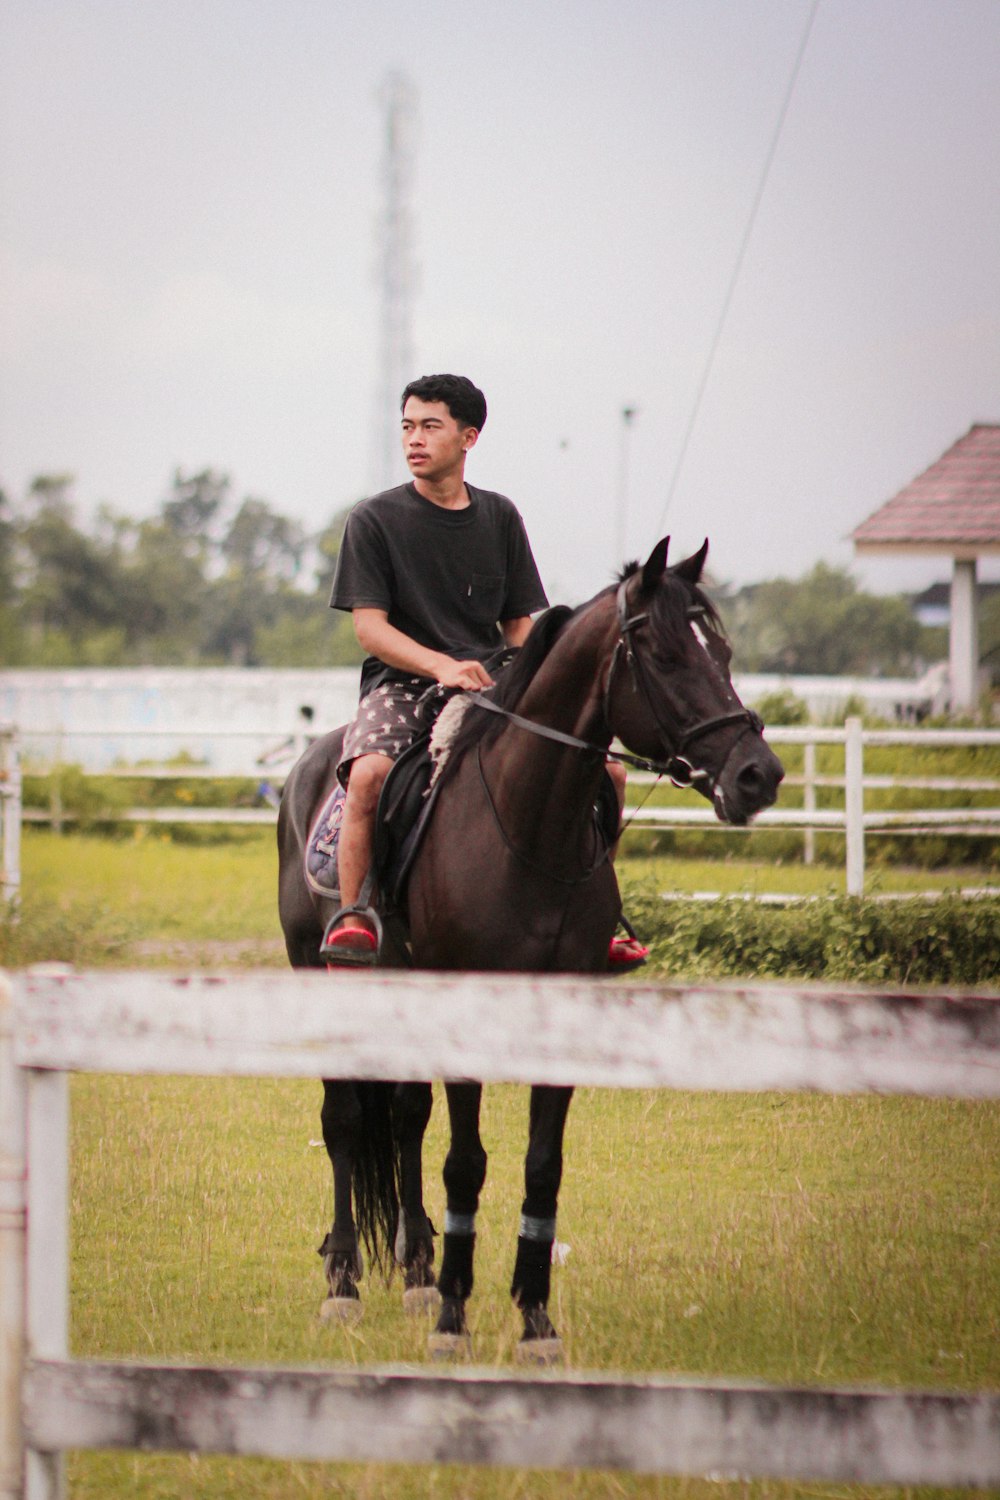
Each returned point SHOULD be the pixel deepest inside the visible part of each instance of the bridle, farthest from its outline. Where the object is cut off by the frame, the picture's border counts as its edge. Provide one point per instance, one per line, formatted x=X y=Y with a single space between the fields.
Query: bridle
x=678 y=768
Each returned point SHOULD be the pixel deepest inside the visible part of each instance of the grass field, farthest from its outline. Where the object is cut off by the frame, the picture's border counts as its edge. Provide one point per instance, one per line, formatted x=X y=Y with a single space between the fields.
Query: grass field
x=784 y=1238
x=149 y=901
x=790 y=1238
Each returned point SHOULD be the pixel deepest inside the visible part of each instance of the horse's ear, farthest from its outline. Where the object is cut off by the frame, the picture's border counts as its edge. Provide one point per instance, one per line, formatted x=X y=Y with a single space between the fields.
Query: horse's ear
x=690 y=569
x=655 y=565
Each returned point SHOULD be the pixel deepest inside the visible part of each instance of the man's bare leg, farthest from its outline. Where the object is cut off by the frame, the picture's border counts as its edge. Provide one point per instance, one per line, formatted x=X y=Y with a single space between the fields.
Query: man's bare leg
x=356 y=844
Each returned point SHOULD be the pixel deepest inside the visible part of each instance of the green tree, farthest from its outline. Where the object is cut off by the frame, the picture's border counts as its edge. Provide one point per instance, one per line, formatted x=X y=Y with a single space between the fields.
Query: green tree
x=989 y=635
x=67 y=583
x=10 y=634
x=304 y=631
x=196 y=503
x=262 y=543
x=822 y=623
x=162 y=593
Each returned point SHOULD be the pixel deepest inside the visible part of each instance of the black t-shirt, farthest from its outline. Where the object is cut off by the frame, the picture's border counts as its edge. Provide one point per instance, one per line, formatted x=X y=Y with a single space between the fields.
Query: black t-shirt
x=444 y=577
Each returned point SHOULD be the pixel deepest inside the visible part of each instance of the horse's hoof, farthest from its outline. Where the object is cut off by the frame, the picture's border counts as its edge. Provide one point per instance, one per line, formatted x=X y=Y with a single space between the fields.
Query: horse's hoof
x=444 y=1346
x=540 y=1352
x=421 y=1299
x=345 y=1310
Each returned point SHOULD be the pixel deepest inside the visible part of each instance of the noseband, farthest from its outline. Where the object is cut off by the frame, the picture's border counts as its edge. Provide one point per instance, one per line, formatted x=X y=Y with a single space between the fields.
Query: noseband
x=678 y=768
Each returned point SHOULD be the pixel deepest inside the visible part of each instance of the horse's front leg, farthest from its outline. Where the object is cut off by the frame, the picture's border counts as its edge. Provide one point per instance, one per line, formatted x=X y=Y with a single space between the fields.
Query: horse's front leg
x=411 y=1110
x=464 y=1175
x=530 y=1287
x=341 y=1117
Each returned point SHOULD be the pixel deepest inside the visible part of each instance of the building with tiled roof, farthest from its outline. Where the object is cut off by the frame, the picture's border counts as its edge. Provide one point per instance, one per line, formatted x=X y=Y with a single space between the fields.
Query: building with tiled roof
x=953 y=509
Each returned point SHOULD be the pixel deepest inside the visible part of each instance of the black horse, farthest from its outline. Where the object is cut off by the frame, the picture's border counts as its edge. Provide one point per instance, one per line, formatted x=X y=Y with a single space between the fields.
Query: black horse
x=513 y=873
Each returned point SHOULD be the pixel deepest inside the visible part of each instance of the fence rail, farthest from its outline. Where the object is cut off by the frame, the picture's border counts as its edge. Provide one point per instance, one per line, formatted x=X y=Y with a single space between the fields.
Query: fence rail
x=852 y=820
x=495 y=1027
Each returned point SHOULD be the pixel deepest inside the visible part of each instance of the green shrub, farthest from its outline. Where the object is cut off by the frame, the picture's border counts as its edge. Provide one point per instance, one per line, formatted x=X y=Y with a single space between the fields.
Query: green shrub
x=945 y=941
x=782 y=707
x=85 y=800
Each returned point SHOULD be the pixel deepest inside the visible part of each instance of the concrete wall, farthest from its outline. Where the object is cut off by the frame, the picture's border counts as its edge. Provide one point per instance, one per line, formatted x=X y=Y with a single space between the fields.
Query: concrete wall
x=229 y=717
x=226 y=717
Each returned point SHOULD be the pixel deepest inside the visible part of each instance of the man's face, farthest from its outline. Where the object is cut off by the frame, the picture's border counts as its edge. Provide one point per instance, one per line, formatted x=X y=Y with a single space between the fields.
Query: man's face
x=433 y=442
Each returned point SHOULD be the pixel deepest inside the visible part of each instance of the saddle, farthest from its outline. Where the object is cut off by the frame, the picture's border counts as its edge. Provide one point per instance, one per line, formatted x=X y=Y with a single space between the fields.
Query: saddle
x=404 y=806
x=404 y=809
x=407 y=800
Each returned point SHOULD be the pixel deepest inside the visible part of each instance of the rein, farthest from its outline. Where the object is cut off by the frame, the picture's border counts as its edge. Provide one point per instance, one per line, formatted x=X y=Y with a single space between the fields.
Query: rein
x=603 y=855
x=678 y=769
x=545 y=733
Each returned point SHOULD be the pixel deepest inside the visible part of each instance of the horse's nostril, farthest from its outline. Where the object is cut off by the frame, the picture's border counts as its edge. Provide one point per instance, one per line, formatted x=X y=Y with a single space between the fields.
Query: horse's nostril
x=759 y=783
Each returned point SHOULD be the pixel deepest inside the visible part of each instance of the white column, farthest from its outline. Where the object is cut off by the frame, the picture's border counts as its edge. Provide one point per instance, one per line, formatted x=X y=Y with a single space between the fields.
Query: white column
x=964 y=637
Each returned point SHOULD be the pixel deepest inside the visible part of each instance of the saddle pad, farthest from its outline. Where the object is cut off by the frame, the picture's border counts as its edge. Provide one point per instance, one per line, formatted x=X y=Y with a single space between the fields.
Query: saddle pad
x=321 y=846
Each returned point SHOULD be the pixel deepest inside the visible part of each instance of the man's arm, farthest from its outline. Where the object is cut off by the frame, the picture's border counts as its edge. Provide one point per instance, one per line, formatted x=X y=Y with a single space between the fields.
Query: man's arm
x=379 y=638
x=515 y=632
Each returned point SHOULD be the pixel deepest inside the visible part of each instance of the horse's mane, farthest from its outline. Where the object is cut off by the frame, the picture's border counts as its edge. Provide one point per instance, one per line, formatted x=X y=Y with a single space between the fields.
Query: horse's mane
x=669 y=609
x=480 y=727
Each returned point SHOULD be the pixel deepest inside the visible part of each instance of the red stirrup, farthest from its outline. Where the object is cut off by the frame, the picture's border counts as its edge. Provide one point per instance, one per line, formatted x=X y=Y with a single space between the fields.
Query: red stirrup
x=626 y=953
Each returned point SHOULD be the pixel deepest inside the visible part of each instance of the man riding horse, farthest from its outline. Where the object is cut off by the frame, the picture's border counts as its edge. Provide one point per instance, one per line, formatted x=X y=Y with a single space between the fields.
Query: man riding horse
x=438 y=576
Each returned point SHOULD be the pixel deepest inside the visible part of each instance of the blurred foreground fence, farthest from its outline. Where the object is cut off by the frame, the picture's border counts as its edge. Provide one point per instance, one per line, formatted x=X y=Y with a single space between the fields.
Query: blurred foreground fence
x=495 y=1027
x=267 y=761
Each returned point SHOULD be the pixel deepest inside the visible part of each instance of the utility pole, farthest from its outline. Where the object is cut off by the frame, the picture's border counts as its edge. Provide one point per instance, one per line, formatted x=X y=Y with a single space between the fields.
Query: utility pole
x=396 y=272
x=621 y=530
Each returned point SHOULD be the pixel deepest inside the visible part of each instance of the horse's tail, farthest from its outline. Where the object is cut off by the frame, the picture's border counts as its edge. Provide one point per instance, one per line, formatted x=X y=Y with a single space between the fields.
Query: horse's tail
x=376 y=1175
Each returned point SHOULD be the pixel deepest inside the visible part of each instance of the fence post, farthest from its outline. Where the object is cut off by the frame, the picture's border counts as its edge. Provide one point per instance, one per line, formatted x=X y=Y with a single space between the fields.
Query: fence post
x=809 y=800
x=10 y=814
x=854 y=806
x=12 y=1238
x=47 y=1299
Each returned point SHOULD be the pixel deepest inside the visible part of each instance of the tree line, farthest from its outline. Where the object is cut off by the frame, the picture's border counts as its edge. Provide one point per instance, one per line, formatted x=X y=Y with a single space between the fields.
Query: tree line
x=207 y=580
x=210 y=579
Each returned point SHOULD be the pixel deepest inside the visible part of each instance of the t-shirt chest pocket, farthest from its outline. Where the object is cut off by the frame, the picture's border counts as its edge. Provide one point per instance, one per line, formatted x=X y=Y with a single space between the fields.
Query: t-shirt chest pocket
x=484 y=597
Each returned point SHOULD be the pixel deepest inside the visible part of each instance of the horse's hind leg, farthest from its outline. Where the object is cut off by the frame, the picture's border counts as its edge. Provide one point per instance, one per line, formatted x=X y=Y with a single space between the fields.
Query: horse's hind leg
x=464 y=1175
x=342 y=1122
x=411 y=1110
x=530 y=1287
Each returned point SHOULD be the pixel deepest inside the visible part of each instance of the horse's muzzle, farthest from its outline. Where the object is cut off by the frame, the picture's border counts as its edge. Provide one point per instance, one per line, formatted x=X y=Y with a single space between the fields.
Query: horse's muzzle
x=749 y=783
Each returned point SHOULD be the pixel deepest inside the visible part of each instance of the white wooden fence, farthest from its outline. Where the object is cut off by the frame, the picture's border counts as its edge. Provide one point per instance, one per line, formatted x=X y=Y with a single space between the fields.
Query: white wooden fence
x=10 y=815
x=521 y=1028
x=851 y=820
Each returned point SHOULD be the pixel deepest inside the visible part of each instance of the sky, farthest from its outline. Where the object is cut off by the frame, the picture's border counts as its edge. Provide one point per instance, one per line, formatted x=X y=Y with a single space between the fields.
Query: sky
x=190 y=195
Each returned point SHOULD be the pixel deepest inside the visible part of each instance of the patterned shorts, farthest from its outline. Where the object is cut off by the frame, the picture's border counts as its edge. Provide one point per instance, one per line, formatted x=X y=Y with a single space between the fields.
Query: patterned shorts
x=388 y=720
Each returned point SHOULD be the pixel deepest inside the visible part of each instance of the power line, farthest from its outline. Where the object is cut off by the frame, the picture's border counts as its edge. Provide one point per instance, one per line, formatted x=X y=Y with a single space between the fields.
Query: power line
x=741 y=256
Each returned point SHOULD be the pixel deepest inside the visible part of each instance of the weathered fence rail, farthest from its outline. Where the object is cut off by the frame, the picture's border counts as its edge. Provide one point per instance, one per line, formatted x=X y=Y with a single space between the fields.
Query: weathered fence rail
x=518 y=1028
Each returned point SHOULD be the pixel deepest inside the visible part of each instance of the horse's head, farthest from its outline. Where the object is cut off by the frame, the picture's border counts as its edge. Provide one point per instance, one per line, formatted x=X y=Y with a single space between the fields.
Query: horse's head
x=670 y=696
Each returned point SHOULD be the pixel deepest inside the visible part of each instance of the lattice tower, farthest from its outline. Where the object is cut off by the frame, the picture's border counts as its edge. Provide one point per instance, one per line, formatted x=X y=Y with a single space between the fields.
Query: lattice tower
x=396 y=272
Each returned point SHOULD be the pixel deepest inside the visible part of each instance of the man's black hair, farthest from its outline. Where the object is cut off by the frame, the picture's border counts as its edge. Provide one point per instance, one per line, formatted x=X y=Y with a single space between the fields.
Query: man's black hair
x=465 y=401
